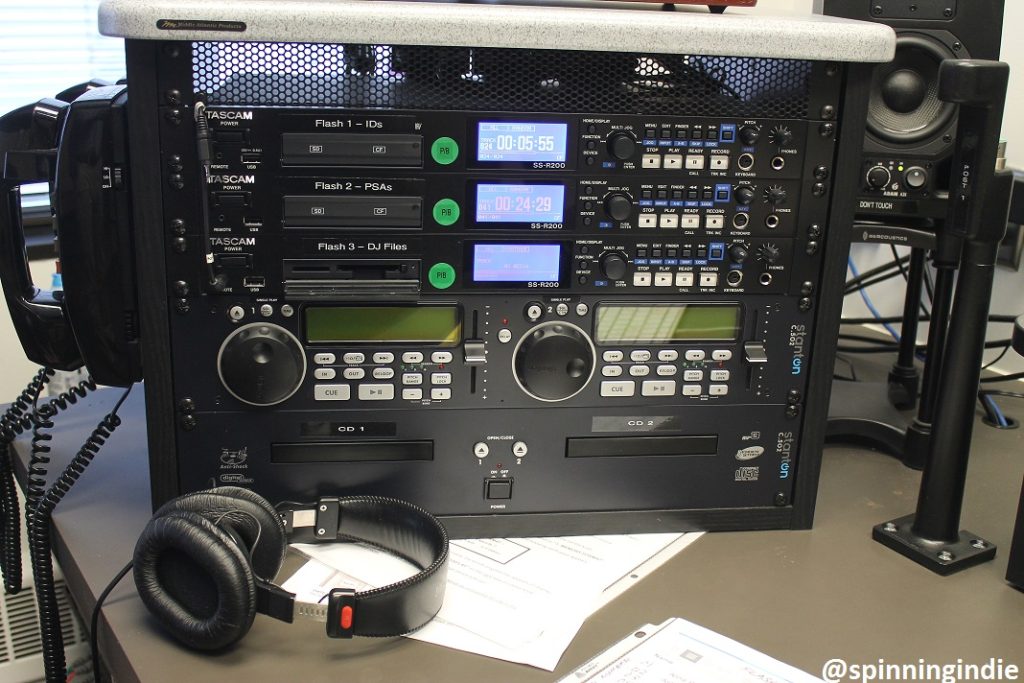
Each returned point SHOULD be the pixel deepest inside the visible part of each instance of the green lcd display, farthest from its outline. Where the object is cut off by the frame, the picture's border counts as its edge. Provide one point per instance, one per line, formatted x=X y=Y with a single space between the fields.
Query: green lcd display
x=384 y=324
x=657 y=323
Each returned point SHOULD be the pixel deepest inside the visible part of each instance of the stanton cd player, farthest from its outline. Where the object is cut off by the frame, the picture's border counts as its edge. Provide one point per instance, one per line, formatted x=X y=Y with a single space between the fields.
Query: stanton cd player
x=532 y=287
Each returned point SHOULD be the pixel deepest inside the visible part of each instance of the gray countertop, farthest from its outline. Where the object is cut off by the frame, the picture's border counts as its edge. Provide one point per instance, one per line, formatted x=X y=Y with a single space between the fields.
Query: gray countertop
x=616 y=27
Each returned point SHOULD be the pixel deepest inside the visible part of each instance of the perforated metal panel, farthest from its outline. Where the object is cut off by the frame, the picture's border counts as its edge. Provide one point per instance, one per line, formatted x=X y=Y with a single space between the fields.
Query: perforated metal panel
x=402 y=77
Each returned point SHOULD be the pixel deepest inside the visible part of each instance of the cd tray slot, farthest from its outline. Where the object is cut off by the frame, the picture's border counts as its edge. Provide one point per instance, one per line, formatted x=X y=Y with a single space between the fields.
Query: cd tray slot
x=352 y=451
x=640 y=446
x=341 y=277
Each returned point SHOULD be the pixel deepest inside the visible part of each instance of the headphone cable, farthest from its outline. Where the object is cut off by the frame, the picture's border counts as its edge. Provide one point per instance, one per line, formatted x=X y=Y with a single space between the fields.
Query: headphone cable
x=94 y=621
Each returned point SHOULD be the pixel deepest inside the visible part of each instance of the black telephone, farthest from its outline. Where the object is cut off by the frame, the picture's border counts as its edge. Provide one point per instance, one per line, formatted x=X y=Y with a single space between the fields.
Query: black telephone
x=77 y=143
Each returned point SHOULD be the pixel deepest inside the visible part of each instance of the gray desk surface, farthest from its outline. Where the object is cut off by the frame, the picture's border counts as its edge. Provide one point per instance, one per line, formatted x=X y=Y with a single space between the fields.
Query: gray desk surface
x=803 y=597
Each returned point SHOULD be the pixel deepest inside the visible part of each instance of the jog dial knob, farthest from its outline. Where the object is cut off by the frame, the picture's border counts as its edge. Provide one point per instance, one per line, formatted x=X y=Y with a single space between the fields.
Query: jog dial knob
x=738 y=252
x=768 y=253
x=621 y=145
x=775 y=195
x=261 y=364
x=554 y=361
x=780 y=136
x=613 y=265
x=749 y=135
x=744 y=194
x=878 y=177
x=618 y=205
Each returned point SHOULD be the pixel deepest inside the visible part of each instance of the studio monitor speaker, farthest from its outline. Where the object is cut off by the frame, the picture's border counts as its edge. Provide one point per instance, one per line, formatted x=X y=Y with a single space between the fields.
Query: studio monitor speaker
x=910 y=133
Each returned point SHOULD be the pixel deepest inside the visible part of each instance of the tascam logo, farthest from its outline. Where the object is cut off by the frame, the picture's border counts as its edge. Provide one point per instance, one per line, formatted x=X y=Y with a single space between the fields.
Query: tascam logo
x=228 y=115
x=233 y=241
x=233 y=179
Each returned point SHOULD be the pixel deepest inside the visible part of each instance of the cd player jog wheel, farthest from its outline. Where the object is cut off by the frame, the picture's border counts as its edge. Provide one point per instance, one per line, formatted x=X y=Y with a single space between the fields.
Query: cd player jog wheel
x=553 y=361
x=261 y=364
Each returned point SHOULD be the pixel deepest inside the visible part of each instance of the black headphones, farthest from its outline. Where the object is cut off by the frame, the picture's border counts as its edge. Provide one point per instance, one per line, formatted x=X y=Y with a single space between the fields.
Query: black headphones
x=205 y=563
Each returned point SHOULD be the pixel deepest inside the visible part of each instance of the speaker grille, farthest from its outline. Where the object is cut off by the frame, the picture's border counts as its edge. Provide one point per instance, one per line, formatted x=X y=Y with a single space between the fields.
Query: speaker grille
x=438 y=78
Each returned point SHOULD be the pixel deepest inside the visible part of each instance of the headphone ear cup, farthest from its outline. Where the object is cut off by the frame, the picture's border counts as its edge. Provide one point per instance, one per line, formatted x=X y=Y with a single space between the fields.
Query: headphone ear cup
x=195 y=580
x=251 y=517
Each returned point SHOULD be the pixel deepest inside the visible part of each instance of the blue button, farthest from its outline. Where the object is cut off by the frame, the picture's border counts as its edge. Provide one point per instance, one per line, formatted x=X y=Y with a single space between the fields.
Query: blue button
x=660 y=202
x=650 y=142
x=656 y=262
x=604 y=224
x=646 y=202
x=607 y=164
x=723 y=192
x=671 y=262
x=600 y=283
x=640 y=261
x=727 y=133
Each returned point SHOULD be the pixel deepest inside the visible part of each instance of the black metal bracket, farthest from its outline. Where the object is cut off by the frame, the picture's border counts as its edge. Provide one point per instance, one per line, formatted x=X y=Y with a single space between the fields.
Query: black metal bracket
x=941 y=557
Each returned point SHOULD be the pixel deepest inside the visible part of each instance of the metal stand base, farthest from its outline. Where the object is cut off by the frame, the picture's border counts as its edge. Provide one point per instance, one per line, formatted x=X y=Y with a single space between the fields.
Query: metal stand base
x=859 y=412
x=938 y=556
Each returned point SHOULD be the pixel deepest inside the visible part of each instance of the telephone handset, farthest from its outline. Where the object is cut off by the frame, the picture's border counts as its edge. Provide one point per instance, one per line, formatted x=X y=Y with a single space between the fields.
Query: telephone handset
x=80 y=150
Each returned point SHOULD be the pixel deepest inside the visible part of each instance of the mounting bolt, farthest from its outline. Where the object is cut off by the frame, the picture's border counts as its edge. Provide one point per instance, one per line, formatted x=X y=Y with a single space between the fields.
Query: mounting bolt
x=323 y=508
x=814 y=231
x=826 y=129
x=805 y=304
x=187 y=406
x=876 y=10
x=321 y=532
x=188 y=423
x=173 y=116
x=807 y=288
x=948 y=12
x=979 y=544
x=172 y=97
x=780 y=499
x=794 y=396
x=181 y=288
x=171 y=50
x=176 y=181
x=890 y=527
x=828 y=112
x=819 y=190
x=182 y=306
x=792 y=411
x=957 y=47
x=178 y=226
x=946 y=556
x=812 y=248
x=831 y=69
x=179 y=244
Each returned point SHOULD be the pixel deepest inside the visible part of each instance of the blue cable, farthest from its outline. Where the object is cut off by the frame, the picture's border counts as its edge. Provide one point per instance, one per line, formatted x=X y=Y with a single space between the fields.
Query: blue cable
x=871 y=306
x=1000 y=418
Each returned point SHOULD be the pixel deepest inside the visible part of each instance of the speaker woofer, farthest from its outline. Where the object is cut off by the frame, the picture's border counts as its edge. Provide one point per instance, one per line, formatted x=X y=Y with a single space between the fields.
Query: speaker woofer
x=904 y=107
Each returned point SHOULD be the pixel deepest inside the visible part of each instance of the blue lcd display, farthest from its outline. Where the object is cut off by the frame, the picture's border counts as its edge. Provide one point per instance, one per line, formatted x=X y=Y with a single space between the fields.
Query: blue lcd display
x=521 y=141
x=501 y=203
x=516 y=262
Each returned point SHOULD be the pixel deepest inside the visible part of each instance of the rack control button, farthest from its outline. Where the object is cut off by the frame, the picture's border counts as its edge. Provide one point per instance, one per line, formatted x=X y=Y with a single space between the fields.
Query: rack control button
x=668 y=220
x=690 y=221
x=582 y=309
x=695 y=162
x=331 y=392
x=383 y=373
x=412 y=379
x=376 y=392
x=440 y=357
x=668 y=355
x=673 y=161
x=412 y=394
x=651 y=161
x=648 y=220
x=383 y=357
x=324 y=358
x=412 y=357
x=534 y=312
x=716 y=222
x=236 y=313
x=721 y=354
x=446 y=212
x=695 y=354
x=354 y=358
x=519 y=449
x=641 y=279
x=353 y=373
x=441 y=378
x=693 y=375
x=684 y=279
x=718 y=389
x=719 y=162
x=325 y=373
x=612 y=356
x=440 y=394
x=499 y=489
x=562 y=309
x=666 y=370
x=663 y=279
x=709 y=279
x=481 y=450
x=441 y=276
x=504 y=335
x=691 y=390
x=640 y=370
x=266 y=310
x=719 y=375
x=658 y=388
x=444 y=150
x=618 y=388
x=640 y=356
x=612 y=371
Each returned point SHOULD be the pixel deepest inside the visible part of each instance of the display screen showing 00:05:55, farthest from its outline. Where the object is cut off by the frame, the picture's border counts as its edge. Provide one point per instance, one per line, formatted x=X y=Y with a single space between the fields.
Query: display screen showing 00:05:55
x=543 y=143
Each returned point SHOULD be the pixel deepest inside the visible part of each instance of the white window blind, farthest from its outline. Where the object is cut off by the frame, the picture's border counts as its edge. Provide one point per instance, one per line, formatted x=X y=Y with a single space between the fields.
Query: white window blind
x=49 y=45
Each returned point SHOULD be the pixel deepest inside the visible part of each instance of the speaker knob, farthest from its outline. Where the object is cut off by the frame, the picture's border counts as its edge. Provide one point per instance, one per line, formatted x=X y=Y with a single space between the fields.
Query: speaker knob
x=738 y=252
x=744 y=194
x=904 y=91
x=553 y=361
x=780 y=136
x=749 y=135
x=768 y=253
x=261 y=364
x=618 y=205
x=878 y=177
x=621 y=145
x=613 y=265
x=775 y=195
x=915 y=177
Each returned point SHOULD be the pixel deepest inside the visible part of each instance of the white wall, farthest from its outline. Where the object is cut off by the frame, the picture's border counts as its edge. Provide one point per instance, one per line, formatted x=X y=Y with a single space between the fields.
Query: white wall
x=15 y=369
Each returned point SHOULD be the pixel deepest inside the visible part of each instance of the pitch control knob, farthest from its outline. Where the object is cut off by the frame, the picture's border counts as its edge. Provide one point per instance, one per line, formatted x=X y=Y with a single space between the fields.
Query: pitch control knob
x=738 y=252
x=749 y=135
x=768 y=253
x=554 y=361
x=780 y=136
x=261 y=364
x=878 y=177
x=613 y=265
x=744 y=194
x=621 y=145
x=618 y=205
x=775 y=195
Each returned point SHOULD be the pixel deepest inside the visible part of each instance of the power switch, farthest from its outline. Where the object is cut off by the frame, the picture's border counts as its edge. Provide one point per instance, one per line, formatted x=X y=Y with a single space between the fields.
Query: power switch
x=498 y=489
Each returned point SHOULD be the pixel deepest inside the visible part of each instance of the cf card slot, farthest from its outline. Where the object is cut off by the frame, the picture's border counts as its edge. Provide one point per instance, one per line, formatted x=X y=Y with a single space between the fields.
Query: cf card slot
x=317 y=278
x=351 y=149
x=352 y=451
x=634 y=446
x=371 y=211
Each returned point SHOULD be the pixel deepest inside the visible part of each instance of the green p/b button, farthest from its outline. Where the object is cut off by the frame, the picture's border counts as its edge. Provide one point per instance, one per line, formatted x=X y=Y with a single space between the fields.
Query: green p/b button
x=446 y=211
x=441 y=276
x=444 y=150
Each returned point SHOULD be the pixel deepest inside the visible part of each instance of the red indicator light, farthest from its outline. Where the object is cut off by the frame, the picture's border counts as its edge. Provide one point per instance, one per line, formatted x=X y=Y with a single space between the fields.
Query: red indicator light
x=346 y=617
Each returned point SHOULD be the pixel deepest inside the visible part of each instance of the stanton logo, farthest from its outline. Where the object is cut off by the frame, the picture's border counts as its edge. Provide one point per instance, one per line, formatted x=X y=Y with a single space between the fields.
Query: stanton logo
x=227 y=115
x=233 y=241
x=233 y=179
